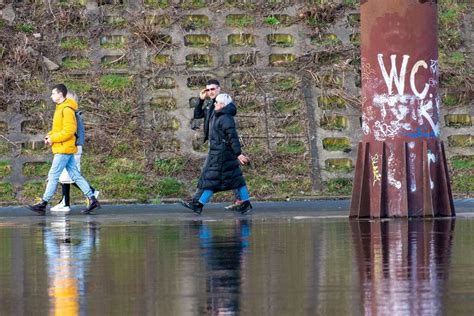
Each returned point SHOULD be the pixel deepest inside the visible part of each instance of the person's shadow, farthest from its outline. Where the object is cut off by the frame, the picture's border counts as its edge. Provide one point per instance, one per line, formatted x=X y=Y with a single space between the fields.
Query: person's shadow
x=224 y=253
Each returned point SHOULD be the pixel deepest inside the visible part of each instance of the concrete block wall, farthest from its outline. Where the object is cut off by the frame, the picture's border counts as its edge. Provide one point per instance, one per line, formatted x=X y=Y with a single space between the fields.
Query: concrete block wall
x=295 y=80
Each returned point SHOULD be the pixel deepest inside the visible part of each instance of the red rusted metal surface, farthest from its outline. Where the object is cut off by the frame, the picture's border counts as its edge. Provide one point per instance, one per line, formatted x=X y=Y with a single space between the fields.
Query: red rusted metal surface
x=401 y=165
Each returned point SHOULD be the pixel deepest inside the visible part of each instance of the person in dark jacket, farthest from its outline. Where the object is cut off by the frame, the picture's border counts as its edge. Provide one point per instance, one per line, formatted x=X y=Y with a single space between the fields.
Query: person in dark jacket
x=204 y=110
x=221 y=170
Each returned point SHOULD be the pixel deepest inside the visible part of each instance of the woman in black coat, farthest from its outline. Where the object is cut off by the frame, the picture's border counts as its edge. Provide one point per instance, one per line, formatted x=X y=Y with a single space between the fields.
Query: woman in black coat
x=222 y=169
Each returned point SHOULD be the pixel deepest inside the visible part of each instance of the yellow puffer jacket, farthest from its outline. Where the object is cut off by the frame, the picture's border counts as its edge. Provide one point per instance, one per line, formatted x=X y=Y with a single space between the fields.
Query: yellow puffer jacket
x=62 y=134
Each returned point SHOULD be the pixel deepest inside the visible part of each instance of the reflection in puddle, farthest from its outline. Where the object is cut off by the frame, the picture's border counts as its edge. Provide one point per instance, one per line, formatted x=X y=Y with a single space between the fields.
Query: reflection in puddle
x=68 y=258
x=223 y=254
x=323 y=266
x=403 y=265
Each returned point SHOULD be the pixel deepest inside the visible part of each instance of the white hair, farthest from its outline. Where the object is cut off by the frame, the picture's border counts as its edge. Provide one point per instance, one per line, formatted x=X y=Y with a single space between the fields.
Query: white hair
x=72 y=95
x=224 y=98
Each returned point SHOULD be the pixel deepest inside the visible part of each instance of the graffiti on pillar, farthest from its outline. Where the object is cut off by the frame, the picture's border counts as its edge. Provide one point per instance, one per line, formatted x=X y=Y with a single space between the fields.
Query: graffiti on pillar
x=391 y=167
x=415 y=114
x=431 y=159
x=412 y=174
x=375 y=169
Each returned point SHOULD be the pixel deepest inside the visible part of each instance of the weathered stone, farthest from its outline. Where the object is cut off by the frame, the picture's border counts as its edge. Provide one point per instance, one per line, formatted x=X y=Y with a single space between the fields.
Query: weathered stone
x=50 y=65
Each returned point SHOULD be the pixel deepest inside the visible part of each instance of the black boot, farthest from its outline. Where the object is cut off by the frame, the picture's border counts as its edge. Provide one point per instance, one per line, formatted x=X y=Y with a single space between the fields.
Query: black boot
x=196 y=207
x=93 y=204
x=244 y=208
x=39 y=208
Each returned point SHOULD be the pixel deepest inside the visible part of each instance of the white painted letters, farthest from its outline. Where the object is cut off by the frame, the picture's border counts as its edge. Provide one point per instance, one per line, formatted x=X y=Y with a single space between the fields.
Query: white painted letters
x=414 y=70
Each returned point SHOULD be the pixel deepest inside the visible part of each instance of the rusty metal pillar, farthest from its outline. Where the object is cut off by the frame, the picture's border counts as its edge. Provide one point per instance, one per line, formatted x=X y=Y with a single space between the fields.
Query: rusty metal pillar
x=401 y=165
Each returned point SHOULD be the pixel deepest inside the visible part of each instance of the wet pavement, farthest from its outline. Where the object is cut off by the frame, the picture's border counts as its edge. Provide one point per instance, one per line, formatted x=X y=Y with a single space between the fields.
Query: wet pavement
x=284 y=209
x=286 y=258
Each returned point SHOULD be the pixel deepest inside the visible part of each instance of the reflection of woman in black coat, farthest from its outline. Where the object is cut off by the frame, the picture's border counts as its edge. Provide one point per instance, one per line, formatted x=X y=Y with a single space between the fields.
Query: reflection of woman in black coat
x=222 y=169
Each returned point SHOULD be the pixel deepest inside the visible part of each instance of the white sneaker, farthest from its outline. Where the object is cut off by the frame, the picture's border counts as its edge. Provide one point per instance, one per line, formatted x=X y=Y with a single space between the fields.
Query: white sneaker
x=61 y=208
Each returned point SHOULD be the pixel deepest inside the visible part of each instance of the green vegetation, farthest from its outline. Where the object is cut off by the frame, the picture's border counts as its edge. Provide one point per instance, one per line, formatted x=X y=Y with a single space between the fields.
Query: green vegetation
x=463 y=183
x=350 y=3
x=337 y=144
x=339 y=186
x=450 y=21
x=26 y=28
x=255 y=149
x=291 y=146
x=6 y=192
x=73 y=43
x=117 y=107
x=463 y=174
x=115 y=21
x=287 y=106
x=35 y=169
x=163 y=60
x=193 y=4
x=33 y=85
x=271 y=20
x=78 y=86
x=5 y=147
x=197 y=40
x=160 y=4
x=239 y=20
x=334 y=122
x=115 y=83
x=5 y=168
x=293 y=128
x=338 y=165
x=463 y=162
x=76 y=62
x=260 y=185
x=293 y=186
x=280 y=40
x=198 y=60
x=170 y=167
x=241 y=39
x=450 y=99
x=333 y=102
x=33 y=189
x=170 y=187
x=284 y=83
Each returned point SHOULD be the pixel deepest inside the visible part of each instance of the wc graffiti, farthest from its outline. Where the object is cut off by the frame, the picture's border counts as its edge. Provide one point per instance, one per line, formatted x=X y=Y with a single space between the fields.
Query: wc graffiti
x=408 y=104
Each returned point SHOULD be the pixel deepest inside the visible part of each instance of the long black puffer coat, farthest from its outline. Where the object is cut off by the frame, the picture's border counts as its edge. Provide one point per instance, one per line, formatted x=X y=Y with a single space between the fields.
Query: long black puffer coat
x=221 y=171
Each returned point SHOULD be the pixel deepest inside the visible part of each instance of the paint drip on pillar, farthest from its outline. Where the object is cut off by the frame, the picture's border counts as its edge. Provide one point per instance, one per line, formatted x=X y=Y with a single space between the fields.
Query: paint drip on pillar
x=401 y=166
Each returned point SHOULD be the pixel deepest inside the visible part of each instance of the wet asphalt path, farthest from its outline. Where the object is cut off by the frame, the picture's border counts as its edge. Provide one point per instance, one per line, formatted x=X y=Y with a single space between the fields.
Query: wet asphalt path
x=213 y=211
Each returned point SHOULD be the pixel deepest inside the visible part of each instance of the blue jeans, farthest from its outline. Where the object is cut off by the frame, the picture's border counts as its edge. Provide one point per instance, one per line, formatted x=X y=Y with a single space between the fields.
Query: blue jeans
x=61 y=161
x=207 y=194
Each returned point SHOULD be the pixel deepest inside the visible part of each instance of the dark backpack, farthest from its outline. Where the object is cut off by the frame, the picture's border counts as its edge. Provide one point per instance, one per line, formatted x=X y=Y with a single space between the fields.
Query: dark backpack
x=81 y=131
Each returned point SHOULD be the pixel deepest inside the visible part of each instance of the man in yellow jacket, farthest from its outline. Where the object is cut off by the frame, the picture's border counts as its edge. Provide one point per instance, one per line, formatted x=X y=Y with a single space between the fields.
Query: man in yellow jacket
x=62 y=139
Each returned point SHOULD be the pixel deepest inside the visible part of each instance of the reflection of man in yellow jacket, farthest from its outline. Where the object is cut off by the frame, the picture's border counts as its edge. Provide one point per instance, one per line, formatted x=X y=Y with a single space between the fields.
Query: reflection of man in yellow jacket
x=62 y=140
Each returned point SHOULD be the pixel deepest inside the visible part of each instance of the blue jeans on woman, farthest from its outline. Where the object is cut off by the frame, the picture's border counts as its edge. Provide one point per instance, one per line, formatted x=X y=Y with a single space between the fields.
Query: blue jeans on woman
x=207 y=194
x=61 y=161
